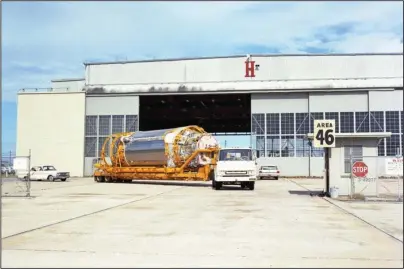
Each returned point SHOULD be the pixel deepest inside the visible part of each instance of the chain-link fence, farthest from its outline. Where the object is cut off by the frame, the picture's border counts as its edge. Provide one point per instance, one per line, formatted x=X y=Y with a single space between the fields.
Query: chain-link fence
x=15 y=177
x=378 y=177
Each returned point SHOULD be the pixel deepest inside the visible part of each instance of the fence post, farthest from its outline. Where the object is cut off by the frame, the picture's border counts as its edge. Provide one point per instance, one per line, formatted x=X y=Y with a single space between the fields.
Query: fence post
x=351 y=175
x=29 y=174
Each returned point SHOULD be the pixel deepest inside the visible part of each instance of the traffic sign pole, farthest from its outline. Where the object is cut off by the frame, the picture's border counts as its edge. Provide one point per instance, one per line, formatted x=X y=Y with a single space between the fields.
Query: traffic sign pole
x=324 y=137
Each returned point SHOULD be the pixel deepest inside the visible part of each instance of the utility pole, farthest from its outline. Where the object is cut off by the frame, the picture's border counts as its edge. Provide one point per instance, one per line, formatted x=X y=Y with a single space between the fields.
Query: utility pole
x=225 y=143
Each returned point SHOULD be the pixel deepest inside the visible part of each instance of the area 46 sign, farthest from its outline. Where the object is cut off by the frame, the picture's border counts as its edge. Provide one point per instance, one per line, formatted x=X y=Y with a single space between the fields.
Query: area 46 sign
x=324 y=133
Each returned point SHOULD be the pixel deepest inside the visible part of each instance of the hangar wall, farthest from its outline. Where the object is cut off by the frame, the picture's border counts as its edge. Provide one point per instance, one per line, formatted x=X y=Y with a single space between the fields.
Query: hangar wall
x=230 y=69
x=280 y=121
x=71 y=84
x=294 y=90
x=106 y=115
x=51 y=124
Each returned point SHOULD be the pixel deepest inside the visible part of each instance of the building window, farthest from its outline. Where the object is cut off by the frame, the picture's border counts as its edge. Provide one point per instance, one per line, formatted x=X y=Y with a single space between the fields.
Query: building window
x=91 y=125
x=118 y=124
x=101 y=141
x=316 y=152
x=401 y=132
x=104 y=125
x=380 y=147
x=393 y=145
x=302 y=123
x=287 y=123
x=90 y=147
x=392 y=122
x=302 y=146
x=351 y=155
x=315 y=116
x=98 y=128
x=273 y=123
x=131 y=123
x=347 y=122
x=258 y=124
x=377 y=121
x=333 y=116
x=362 y=122
x=287 y=146
x=273 y=146
x=260 y=145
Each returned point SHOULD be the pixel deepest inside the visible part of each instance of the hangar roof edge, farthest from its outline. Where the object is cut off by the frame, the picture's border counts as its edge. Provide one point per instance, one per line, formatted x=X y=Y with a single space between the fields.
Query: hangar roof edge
x=242 y=56
x=67 y=79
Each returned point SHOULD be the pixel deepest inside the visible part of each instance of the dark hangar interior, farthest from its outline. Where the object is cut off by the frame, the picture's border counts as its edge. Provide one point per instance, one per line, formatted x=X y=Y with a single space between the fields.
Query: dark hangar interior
x=216 y=113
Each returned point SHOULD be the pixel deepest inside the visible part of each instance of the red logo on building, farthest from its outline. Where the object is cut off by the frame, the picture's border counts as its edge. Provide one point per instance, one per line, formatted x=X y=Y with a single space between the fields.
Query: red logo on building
x=250 y=68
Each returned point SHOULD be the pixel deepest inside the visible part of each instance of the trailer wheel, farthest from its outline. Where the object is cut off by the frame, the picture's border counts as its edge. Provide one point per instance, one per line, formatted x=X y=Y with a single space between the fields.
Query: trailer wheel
x=242 y=185
x=108 y=179
x=100 y=179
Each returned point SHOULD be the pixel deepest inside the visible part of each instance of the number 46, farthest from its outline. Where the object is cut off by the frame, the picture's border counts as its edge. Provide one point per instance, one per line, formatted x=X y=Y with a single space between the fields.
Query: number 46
x=327 y=137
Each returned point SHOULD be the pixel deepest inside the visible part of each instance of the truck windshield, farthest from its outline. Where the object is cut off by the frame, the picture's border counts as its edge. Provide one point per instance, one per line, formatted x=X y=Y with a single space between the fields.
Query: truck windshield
x=235 y=155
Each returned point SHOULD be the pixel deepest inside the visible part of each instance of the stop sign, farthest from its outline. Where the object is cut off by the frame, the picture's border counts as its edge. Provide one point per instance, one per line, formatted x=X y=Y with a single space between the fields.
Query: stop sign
x=359 y=169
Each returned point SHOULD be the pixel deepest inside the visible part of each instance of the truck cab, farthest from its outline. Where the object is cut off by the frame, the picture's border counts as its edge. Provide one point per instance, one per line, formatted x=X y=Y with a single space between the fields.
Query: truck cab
x=235 y=166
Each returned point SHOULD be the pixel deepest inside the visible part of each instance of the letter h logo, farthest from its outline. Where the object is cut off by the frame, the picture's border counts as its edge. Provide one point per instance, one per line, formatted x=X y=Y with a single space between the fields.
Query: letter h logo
x=249 y=69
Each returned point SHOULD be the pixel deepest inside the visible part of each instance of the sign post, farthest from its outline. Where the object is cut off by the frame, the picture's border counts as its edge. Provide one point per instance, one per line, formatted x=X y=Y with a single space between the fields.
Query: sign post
x=324 y=137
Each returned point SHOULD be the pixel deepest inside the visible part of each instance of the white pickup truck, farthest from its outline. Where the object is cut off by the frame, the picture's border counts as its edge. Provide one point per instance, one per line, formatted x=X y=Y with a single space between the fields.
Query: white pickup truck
x=44 y=172
x=235 y=166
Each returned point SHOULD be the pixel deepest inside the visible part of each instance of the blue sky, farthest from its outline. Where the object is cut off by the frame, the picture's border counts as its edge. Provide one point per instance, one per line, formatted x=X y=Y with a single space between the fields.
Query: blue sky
x=42 y=41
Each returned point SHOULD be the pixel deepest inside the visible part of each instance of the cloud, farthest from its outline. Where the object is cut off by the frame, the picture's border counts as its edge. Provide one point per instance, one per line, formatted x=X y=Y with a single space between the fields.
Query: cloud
x=46 y=40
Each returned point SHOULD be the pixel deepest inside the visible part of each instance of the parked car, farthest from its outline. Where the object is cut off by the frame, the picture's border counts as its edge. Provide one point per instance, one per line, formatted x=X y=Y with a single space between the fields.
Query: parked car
x=7 y=169
x=268 y=171
x=3 y=169
x=45 y=172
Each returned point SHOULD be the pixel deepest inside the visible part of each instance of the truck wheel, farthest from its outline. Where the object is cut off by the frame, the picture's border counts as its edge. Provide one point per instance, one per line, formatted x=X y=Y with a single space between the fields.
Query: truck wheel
x=251 y=186
x=212 y=177
x=63 y=179
x=218 y=185
x=50 y=178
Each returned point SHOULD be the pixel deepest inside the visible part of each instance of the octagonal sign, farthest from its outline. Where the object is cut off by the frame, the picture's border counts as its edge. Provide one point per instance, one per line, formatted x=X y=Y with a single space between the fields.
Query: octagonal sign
x=360 y=169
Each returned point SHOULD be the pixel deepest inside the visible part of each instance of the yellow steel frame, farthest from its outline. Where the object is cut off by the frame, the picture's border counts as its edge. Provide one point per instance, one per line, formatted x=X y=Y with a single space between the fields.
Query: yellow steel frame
x=121 y=170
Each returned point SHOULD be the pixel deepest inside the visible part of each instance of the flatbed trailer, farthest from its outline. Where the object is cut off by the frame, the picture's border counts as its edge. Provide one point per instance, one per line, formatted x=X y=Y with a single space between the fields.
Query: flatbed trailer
x=116 y=166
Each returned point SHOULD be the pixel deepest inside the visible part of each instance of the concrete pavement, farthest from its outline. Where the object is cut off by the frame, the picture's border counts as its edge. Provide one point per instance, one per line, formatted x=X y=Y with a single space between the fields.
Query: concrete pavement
x=85 y=224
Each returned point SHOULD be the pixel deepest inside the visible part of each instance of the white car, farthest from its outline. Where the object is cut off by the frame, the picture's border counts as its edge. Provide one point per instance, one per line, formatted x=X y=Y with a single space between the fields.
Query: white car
x=6 y=169
x=47 y=172
x=268 y=171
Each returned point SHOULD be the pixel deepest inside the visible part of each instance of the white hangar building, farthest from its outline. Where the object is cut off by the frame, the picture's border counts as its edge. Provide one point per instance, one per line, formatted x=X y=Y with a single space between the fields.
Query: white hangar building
x=275 y=98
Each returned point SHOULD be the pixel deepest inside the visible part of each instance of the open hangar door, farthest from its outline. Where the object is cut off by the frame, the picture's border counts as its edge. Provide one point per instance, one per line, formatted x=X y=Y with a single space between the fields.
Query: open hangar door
x=216 y=113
